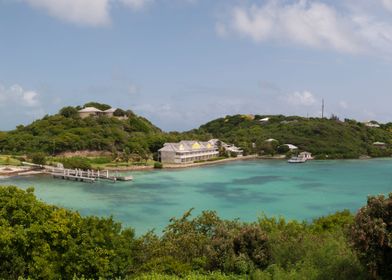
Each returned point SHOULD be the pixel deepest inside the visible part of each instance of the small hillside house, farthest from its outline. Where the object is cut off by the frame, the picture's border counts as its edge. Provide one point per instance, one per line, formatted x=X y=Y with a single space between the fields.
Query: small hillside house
x=379 y=144
x=305 y=155
x=94 y=112
x=291 y=147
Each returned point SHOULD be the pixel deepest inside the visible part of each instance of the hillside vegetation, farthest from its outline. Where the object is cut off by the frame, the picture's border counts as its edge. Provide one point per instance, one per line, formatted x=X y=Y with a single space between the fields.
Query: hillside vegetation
x=42 y=241
x=66 y=131
x=135 y=135
x=326 y=138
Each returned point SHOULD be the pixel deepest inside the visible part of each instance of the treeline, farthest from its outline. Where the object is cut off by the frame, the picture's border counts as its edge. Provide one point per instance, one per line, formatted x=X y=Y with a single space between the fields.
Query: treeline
x=41 y=241
x=130 y=135
x=66 y=131
x=325 y=138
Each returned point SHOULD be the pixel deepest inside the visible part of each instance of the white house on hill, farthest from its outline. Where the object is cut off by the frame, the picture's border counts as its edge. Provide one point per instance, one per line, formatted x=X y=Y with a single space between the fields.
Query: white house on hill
x=291 y=147
x=94 y=112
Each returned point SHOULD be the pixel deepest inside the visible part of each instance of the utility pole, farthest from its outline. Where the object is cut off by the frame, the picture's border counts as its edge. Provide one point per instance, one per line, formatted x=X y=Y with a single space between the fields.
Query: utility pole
x=322 y=109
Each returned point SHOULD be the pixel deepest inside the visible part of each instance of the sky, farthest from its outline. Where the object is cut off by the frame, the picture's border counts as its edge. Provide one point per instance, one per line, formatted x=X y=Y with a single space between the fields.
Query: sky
x=181 y=63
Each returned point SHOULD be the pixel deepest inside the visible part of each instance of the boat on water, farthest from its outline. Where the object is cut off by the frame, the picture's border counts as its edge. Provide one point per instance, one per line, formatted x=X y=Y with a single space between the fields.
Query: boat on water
x=297 y=160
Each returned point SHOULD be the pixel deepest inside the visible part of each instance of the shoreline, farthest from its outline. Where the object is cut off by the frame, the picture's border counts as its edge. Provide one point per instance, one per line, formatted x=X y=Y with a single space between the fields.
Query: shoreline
x=183 y=166
x=198 y=164
x=10 y=171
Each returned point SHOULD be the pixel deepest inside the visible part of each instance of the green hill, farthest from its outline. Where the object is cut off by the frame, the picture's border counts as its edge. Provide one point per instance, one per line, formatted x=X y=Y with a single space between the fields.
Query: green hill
x=323 y=137
x=66 y=131
x=126 y=132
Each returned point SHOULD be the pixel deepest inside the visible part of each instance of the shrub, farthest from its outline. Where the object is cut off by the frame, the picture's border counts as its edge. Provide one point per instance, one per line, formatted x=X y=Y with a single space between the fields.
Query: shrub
x=76 y=163
x=372 y=235
x=119 y=113
x=158 y=165
x=38 y=158
x=100 y=160
x=40 y=241
x=68 y=112
x=253 y=243
x=97 y=105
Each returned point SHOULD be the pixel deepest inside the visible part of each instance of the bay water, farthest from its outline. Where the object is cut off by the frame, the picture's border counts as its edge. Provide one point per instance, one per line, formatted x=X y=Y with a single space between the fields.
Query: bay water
x=241 y=189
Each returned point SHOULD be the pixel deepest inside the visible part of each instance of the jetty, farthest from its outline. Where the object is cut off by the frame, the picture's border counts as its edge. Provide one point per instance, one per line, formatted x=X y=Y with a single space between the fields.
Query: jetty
x=89 y=176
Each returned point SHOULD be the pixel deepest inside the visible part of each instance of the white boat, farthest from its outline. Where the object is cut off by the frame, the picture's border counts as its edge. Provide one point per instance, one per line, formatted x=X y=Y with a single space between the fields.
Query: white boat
x=297 y=160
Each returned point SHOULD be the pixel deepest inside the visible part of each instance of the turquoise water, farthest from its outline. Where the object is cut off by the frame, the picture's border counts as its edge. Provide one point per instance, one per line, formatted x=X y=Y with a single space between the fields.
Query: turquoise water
x=235 y=190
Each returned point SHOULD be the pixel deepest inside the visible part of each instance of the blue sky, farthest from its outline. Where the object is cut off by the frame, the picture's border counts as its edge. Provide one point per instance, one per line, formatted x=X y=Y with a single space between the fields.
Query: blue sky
x=181 y=63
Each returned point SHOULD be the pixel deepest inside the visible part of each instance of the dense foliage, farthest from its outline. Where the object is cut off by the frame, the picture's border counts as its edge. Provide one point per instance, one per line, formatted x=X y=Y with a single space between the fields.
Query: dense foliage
x=326 y=138
x=133 y=136
x=76 y=163
x=47 y=242
x=372 y=235
x=66 y=131
x=41 y=241
x=125 y=134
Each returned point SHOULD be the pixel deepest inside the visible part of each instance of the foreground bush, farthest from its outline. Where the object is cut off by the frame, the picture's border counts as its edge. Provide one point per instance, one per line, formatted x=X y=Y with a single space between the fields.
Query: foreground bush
x=372 y=235
x=47 y=242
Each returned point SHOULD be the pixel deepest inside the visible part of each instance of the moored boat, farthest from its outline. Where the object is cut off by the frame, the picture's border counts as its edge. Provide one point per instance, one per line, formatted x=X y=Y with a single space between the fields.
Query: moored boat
x=297 y=160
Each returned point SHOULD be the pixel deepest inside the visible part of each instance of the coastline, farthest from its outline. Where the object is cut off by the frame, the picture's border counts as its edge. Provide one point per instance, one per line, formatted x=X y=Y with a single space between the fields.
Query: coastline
x=189 y=165
x=198 y=164
x=9 y=171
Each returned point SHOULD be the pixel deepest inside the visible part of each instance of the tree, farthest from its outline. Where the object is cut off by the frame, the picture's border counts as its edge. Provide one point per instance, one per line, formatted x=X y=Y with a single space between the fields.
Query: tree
x=68 y=112
x=97 y=105
x=119 y=113
x=38 y=158
x=76 y=163
x=282 y=149
x=372 y=235
x=40 y=241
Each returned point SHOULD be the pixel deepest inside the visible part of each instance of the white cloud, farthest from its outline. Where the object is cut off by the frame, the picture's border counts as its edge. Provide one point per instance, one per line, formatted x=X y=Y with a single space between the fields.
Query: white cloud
x=387 y=4
x=16 y=95
x=84 y=12
x=304 y=98
x=313 y=24
x=136 y=4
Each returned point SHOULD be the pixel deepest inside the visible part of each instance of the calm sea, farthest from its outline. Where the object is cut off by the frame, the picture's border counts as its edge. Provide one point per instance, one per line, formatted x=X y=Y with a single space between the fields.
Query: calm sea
x=235 y=190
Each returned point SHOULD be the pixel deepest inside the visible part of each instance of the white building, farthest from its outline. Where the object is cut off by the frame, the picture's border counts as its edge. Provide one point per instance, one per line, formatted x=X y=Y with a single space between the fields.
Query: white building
x=291 y=147
x=187 y=152
x=379 y=144
x=372 y=124
x=264 y=120
x=90 y=112
x=94 y=112
x=305 y=155
x=231 y=149
x=271 y=140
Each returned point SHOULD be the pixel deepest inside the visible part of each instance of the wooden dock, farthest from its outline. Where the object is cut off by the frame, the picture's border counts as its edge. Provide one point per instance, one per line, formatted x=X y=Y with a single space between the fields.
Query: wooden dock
x=89 y=176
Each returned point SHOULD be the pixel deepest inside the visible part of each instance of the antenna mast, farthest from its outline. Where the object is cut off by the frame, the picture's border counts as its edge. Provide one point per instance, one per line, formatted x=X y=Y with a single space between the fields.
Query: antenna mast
x=322 y=109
